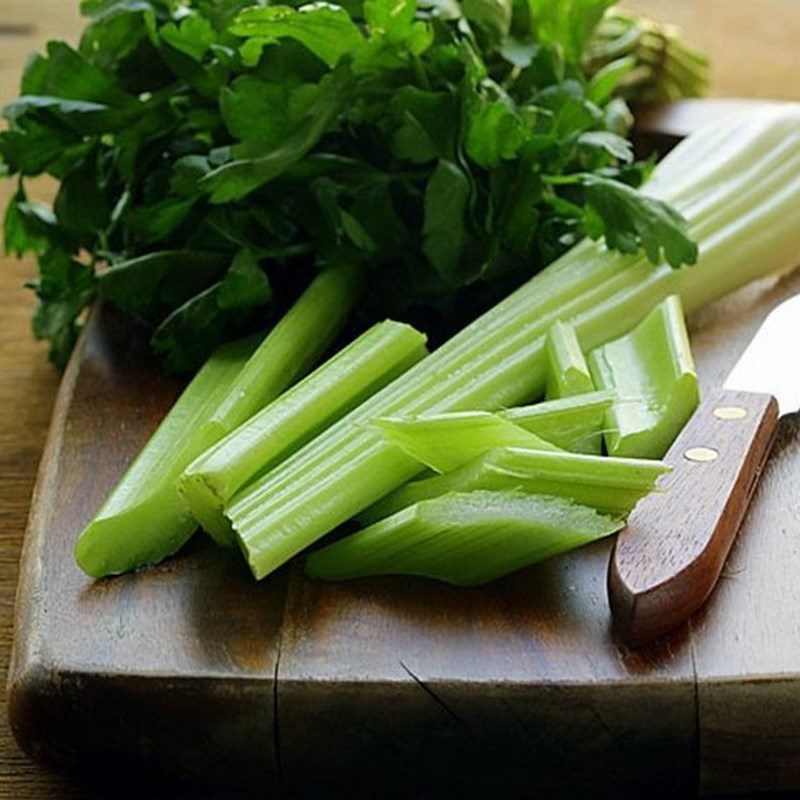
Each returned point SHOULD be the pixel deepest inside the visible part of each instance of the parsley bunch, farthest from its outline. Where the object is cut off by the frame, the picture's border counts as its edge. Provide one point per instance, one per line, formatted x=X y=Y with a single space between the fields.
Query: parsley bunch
x=212 y=154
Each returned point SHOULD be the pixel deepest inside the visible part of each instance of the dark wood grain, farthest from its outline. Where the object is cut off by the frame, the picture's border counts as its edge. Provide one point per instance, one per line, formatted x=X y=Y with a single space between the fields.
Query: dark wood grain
x=668 y=559
x=518 y=687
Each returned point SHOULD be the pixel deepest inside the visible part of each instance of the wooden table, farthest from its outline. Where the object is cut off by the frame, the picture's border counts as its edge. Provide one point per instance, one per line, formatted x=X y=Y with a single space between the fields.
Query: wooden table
x=753 y=47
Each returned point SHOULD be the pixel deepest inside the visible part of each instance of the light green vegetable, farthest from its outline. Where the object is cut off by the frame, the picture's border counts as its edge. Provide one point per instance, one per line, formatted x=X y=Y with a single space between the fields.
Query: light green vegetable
x=571 y=423
x=609 y=485
x=370 y=362
x=465 y=539
x=651 y=371
x=292 y=347
x=737 y=184
x=567 y=370
x=446 y=441
x=143 y=520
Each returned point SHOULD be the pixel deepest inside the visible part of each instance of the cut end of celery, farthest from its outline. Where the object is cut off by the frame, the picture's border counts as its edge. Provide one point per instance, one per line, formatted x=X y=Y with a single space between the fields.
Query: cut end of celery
x=205 y=505
x=464 y=538
x=567 y=371
x=651 y=370
x=135 y=538
x=573 y=423
x=655 y=440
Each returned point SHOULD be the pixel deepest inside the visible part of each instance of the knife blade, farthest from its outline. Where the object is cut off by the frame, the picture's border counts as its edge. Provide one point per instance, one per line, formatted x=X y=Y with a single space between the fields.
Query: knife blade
x=668 y=559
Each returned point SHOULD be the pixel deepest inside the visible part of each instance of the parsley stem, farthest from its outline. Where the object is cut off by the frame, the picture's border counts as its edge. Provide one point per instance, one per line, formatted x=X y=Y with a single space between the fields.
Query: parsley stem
x=419 y=72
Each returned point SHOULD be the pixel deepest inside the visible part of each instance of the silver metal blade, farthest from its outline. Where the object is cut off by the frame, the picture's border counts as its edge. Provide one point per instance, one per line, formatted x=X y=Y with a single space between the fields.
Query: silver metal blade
x=771 y=362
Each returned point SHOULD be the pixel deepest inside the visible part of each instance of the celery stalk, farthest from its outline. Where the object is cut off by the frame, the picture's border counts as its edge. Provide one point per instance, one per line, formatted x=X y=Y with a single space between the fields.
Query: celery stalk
x=143 y=520
x=292 y=347
x=446 y=441
x=609 y=485
x=464 y=539
x=571 y=423
x=373 y=360
x=567 y=370
x=737 y=184
x=652 y=373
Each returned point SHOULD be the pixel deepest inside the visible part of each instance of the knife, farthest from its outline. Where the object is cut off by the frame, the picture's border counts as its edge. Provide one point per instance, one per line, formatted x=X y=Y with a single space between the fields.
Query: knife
x=669 y=557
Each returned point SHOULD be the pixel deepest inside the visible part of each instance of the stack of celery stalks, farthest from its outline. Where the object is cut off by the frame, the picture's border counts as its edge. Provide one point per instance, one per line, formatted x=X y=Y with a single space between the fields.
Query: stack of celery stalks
x=447 y=459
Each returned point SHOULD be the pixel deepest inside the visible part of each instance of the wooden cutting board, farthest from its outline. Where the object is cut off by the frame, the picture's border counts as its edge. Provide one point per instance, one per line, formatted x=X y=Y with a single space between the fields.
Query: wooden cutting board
x=394 y=685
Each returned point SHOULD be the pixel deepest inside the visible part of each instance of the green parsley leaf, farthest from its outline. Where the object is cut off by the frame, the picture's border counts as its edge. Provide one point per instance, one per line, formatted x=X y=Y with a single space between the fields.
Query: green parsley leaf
x=212 y=150
x=629 y=220
x=446 y=198
x=326 y=30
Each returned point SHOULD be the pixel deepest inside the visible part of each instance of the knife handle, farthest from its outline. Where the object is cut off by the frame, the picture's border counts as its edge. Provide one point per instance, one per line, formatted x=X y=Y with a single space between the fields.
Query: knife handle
x=669 y=557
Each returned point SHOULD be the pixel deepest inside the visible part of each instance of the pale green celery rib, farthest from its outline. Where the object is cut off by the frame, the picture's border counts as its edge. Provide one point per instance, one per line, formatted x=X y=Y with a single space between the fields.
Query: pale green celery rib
x=366 y=365
x=651 y=371
x=446 y=441
x=464 y=538
x=609 y=485
x=143 y=520
x=571 y=423
x=567 y=370
x=292 y=347
x=750 y=229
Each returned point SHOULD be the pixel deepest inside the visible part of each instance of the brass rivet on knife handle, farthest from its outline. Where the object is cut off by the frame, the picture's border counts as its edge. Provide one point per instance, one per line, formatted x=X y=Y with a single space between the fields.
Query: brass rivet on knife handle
x=730 y=412
x=668 y=559
x=701 y=454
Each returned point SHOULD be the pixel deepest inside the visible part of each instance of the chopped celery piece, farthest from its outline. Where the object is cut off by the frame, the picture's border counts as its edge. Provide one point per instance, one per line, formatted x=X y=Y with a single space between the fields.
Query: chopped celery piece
x=652 y=373
x=376 y=358
x=567 y=370
x=466 y=539
x=292 y=347
x=609 y=485
x=143 y=519
x=446 y=441
x=738 y=185
x=571 y=423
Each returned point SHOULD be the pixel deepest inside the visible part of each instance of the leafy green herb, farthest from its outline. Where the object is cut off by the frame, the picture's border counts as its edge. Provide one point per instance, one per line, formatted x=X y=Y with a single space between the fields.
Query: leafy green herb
x=451 y=149
x=629 y=221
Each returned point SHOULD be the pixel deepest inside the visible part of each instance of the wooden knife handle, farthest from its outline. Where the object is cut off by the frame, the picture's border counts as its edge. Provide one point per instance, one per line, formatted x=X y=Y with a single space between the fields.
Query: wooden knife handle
x=668 y=559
